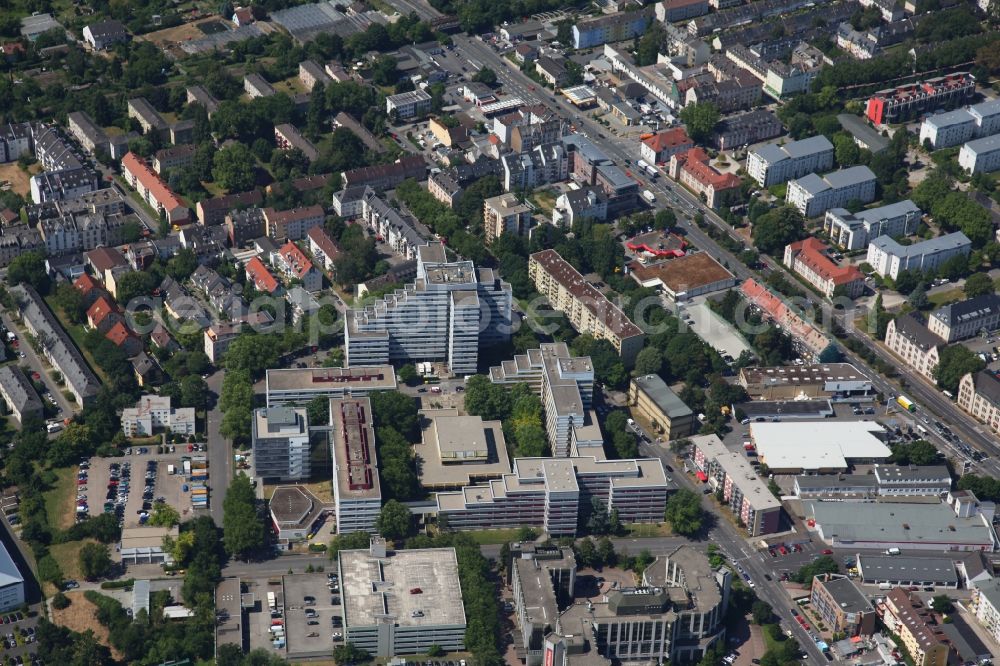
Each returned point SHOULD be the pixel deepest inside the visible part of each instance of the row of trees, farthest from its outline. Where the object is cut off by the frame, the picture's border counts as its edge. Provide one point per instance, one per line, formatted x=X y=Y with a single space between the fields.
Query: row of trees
x=396 y=425
x=243 y=530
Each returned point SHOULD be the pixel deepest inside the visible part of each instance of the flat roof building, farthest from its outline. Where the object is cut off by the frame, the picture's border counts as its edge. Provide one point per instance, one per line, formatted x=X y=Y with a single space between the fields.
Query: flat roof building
x=652 y=399
x=788 y=448
x=357 y=492
x=402 y=602
x=144 y=544
x=773 y=163
x=684 y=277
x=294 y=511
x=543 y=581
x=281 y=443
x=854 y=231
x=902 y=571
x=300 y=385
x=457 y=450
x=842 y=606
x=836 y=381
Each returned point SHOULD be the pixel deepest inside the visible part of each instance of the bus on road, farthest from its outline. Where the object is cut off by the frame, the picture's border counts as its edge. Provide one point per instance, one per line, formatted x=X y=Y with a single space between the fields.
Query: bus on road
x=906 y=403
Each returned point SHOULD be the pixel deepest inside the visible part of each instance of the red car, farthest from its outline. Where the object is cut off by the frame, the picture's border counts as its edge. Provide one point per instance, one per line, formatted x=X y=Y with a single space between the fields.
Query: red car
x=782 y=550
x=828 y=552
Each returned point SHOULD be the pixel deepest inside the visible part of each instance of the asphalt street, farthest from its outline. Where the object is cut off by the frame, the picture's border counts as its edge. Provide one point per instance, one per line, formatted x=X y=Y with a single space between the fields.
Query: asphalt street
x=38 y=365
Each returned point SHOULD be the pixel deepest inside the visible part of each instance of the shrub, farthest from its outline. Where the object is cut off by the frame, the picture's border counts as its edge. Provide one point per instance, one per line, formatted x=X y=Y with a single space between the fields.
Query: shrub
x=60 y=601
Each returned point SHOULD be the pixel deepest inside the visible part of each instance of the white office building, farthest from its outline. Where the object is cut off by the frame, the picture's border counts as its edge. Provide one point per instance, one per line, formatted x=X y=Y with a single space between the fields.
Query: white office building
x=451 y=311
x=152 y=413
x=774 y=163
x=981 y=155
x=813 y=195
x=854 y=231
x=281 y=443
x=889 y=258
x=408 y=104
x=357 y=492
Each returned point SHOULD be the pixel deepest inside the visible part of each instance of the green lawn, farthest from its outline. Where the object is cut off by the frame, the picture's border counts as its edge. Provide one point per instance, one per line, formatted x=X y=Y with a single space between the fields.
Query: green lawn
x=947 y=296
x=68 y=557
x=486 y=537
x=59 y=500
x=77 y=333
x=648 y=529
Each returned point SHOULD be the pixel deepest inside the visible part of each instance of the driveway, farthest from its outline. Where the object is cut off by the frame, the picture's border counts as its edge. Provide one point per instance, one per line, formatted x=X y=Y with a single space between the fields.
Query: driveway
x=41 y=366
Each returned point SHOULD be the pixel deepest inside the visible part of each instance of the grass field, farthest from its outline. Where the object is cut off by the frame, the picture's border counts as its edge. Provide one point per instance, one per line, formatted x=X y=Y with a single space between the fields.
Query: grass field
x=648 y=529
x=81 y=615
x=947 y=296
x=17 y=178
x=486 y=537
x=68 y=557
x=59 y=506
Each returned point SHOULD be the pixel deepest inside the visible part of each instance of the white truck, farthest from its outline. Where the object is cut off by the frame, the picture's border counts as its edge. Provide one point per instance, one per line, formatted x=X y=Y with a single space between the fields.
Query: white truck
x=892 y=551
x=651 y=170
x=642 y=164
x=649 y=196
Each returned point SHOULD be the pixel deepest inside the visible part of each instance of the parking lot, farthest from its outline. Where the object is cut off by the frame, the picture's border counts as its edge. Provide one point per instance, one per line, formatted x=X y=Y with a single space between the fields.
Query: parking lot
x=308 y=613
x=17 y=633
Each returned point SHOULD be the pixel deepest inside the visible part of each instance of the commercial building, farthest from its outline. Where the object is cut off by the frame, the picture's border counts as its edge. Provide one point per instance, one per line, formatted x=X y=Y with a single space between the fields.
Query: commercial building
x=888 y=258
x=294 y=511
x=904 y=102
x=979 y=395
x=693 y=169
x=298 y=386
x=903 y=571
x=11 y=582
x=854 y=231
x=660 y=147
x=19 y=395
x=912 y=480
x=505 y=214
x=813 y=195
x=842 y=606
x=838 y=382
x=57 y=346
x=543 y=582
x=408 y=105
x=457 y=450
x=144 y=544
x=833 y=446
x=617 y=27
x=986 y=606
x=153 y=190
x=450 y=312
x=944 y=130
x=651 y=399
x=908 y=338
x=280 y=441
x=774 y=163
x=966 y=319
x=551 y=493
x=961 y=523
x=357 y=492
x=746 y=494
x=906 y=616
x=808 y=258
x=152 y=413
x=588 y=310
x=402 y=602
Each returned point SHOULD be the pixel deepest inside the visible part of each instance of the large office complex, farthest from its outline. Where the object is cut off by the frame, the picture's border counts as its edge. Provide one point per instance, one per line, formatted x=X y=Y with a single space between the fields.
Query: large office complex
x=543 y=580
x=746 y=493
x=652 y=400
x=553 y=493
x=966 y=319
x=854 y=231
x=281 y=444
x=402 y=602
x=357 y=493
x=843 y=607
x=774 y=163
x=888 y=258
x=979 y=395
x=588 y=310
x=451 y=311
x=813 y=195
x=300 y=385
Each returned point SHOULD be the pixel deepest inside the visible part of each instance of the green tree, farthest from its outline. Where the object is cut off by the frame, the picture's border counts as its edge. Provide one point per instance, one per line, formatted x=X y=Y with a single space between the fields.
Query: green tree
x=69 y=299
x=94 y=560
x=650 y=44
x=821 y=565
x=318 y=411
x=700 y=119
x=762 y=612
x=29 y=268
x=407 y=374
x=182 y=265
x=135 y=284
x=586 y=552
x=242 y=527
x=956 y=361
x=348 y=653
x=979 y=284
x=606 y=552
x=164 y=515
x=684 y=512
x=194 y=392
x=777 y=228
x=649 y=361
x=941 y=603
x=920 y=452
x=918 y=297
x=394 y=520
x=233 y=168
x=487 y=76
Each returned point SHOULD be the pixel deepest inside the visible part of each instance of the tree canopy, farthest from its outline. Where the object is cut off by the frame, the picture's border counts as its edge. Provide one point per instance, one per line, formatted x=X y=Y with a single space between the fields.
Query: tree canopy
x=684 y=512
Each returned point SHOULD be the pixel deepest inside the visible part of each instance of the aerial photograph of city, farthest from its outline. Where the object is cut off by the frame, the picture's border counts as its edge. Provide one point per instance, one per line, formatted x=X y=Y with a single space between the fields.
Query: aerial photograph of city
x=499 y=332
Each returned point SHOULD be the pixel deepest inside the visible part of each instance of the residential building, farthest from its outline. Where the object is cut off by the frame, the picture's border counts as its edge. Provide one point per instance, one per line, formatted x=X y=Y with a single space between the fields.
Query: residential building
x=311 y=73
x=543 y=582
x=300 y=385
x=904 y=102
x=288 y=137
x=11 y=582
x=375 y=586
x=177 y=157
x=587 y=309
x=19 y=395
x=889 y=258
x=505 y=214
x=260 y=276
x=981 y=155
x=692 y=168
x=979 y=395
x=387 y=223
x=443 y=187
x=746 y=129
x=854 y=231
x=808 y=258
x=448 y=135
x=302 y=304
x=149 y=118
x=213 y=211
x=322 y=248
x=153 y=190
x=280 y=441
x=965 y=319
x=87 y=133
x=618 y=27
x=813 y=195
x=890 y=9
x=986 y=605
x=348 y=203
x=408 y=105
x=255 y=85
x=103 y=314
x=147 y=372
x=670 y=11
x=245 y=226
x=906 y=616
x=105 y=34
x=535 y=125
x=387 y=176
x=843 y=607
x=585 y=203
x=660 y=147
x=553 y=70
x=356 y=489
x=56 y=344
x=544 y=163
x=197 y=94
x=152 y=413
x=292 y=224
x=774 y=163
x=447 y=314
x=952 y=128
x=291 y=262
x=652 y=400
x=744 y=492
x=65 y=184
x=348 y=121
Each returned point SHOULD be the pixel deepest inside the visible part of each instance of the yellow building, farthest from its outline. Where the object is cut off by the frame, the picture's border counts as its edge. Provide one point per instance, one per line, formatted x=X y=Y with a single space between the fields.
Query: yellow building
x=651 y=399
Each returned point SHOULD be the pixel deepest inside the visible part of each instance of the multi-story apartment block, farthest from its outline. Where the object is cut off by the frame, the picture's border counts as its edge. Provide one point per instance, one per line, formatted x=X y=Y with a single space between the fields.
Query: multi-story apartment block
x=651 y=399
x=311 y=73
x=322 y=248
x=527 y=127
x=692 y=168
x=981 y=155
x=505 y=214
x=544 y=163
x=550 y=492
x=746 y=129
x=745 y=492
x=808 y=258
x=152 y=413
x=199 y=95
x=951 y=128
x=386 y=222
x=965 y=319
x=291 y=262
x=177 y=157
x=443 y=187
x=281 y=443
x=616 y=27
x=907 y=617
x=356 y=489
x=408 y=105
x=729 y=94
x=89 y=135
x=774 y=163
x=19 y=395
x=386 y=176
x=588 y=310
x=213 y=211
x=292 y=225
x=149 y=118
x=586 y=203
x=889 y=258
x=288 y=137
x=543 y=581
x=896 y=105
x=244 y=226
x=843 y=607
x=153 y=190
x=986 y=605
x=590 y=166
x=60 y=185
x=854 y=231
x=670 y=11
x=979 y=395
x=659 y=148
x=813 y=195
x=908 y=338
x=255 y=85
x=447 y=314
